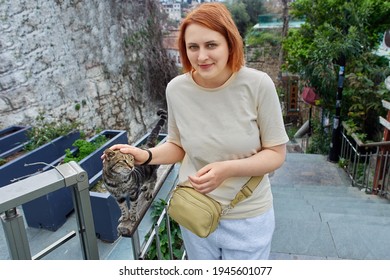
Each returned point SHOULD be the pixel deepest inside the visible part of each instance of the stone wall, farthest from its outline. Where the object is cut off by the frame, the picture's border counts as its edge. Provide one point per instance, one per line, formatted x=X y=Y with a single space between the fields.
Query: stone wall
x=266 y=59
x=82 y=60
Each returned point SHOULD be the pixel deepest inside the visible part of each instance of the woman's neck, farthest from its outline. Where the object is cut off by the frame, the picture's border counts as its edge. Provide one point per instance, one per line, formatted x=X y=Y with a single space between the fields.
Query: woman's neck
x=212 y=83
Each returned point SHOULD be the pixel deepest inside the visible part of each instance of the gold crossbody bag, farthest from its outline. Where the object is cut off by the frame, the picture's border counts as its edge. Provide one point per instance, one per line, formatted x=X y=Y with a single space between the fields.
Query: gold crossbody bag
x=200 y=213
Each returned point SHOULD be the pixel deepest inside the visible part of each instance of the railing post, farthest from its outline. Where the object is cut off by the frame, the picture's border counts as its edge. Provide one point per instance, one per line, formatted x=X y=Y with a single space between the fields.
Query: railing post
x=168 y=225
x=83 y=210
x=380 y=169
x=135 y=241
x=15 y=194
x=15 y=234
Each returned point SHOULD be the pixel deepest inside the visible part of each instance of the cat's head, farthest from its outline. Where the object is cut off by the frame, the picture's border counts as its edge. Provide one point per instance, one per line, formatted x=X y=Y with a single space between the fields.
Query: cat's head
x=117 y=162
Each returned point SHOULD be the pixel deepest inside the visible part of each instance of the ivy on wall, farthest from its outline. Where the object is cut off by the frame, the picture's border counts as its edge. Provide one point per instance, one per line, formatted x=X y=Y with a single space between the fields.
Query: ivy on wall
x=154 y=69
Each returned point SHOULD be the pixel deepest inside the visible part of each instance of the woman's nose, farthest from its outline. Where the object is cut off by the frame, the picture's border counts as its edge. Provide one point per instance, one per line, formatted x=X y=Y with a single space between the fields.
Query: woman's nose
x=203 y=54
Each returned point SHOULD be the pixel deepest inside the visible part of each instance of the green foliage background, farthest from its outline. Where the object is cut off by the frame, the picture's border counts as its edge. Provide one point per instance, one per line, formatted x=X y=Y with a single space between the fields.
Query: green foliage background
x=337 y=28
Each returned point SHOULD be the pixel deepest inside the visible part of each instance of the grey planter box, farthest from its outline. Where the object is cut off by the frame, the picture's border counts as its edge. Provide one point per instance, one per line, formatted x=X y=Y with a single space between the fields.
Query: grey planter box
x=47 y=153
x=12 y=139
x=51 y=211
x=105 y=210
x=58 y=203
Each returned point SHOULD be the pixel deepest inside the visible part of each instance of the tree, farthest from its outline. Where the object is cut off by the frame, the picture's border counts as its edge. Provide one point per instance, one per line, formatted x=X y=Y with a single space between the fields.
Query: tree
x=254 y=8
x=240 y=16
x=285 y=18
x=245 y=13
x=334 y=29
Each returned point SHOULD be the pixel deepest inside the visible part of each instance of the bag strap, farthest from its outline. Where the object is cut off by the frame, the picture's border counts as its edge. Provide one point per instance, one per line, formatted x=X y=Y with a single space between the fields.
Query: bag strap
x=246 y=191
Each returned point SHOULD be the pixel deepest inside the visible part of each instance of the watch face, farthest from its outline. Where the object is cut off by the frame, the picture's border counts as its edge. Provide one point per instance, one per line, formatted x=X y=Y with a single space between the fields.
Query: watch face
x=387 y=38
x=387 y=82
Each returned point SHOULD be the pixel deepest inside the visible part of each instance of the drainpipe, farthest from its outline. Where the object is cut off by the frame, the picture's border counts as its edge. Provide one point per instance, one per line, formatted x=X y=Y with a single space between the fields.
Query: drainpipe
x=335 y=146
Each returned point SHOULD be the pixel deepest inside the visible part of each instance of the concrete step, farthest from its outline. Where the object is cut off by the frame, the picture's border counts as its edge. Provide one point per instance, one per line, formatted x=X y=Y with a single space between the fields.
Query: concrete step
x=324 y=196
x=346 y=216
x=293 y=204
x=340 y=205
x=348 y=202
x=303 y=237
x=331 y=199
x=366 y=210
x=330 y=192
x=282 y=214
x=367 y=219
x=320 y=215
x=333 y=239
x=300 y=203
x=314 y=188
x=307 y=169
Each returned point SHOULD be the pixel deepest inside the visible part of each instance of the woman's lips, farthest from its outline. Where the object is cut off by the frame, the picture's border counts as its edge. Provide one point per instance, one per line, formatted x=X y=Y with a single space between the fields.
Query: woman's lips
x=205 y=66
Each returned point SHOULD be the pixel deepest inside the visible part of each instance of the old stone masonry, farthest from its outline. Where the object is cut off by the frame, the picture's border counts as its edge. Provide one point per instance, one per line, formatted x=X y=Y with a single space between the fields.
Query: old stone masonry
x=76 y=60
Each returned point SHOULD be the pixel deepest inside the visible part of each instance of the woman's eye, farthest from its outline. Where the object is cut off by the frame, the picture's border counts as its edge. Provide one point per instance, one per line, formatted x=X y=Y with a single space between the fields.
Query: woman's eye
x=211 y=46
x=192 y=48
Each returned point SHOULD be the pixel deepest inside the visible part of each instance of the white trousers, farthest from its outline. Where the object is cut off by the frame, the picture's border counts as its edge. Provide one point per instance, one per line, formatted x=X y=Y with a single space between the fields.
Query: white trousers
x=243 y=239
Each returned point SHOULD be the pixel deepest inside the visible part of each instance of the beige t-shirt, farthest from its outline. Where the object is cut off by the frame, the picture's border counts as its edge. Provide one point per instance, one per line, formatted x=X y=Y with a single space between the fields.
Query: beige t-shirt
x=226 y=123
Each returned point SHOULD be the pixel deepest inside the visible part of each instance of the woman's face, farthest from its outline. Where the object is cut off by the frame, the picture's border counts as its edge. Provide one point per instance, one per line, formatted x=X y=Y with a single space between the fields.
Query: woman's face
x=208 y=52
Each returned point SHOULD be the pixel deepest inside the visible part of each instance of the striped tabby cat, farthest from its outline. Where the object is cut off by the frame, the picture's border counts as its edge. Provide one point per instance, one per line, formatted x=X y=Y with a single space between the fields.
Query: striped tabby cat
x=123 y=179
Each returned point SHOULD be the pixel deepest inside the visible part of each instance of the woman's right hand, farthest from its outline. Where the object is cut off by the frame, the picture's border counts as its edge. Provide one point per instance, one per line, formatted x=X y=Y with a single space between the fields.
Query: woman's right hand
x=140 y=155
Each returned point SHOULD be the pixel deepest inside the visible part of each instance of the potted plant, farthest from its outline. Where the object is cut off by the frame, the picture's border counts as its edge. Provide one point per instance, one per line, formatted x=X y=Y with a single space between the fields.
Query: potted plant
x=12 y=139
x=23 y=166
x=36 y=161
x=50 y=211
x=105 y=209
x=34 y=137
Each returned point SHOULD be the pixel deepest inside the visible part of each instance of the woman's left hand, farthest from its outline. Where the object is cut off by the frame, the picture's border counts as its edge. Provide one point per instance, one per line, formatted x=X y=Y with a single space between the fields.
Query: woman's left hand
x=209 y=177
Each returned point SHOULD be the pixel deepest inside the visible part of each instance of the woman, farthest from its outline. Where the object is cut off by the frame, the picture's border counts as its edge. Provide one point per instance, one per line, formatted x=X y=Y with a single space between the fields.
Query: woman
x=224 y=126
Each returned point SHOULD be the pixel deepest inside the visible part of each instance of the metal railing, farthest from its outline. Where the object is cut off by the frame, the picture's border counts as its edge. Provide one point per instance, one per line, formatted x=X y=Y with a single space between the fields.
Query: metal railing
x=73 y=176
x=155 y=237
x=13 y=195
x=142 y=247
x=367 y=164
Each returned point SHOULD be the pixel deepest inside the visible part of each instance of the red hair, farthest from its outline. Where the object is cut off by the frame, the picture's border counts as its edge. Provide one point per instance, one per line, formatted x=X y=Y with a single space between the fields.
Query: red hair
x=217 y=17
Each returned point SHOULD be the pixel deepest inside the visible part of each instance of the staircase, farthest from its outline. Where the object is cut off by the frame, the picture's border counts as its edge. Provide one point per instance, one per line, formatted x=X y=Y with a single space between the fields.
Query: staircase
x=319 y=215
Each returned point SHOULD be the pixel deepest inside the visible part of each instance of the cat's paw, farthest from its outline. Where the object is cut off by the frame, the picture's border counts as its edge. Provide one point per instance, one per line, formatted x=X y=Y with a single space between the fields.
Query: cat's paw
x=133 y=219
x=148 y=195
x=123 y=230
x=123 y=219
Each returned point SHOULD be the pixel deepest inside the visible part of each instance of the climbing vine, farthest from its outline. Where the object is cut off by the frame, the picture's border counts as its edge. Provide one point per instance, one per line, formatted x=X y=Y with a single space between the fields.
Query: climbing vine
x=153 y=67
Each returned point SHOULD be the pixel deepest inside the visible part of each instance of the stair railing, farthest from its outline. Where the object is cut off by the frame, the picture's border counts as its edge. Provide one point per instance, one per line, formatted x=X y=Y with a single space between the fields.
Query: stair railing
x=361 y=162
x=15 y=194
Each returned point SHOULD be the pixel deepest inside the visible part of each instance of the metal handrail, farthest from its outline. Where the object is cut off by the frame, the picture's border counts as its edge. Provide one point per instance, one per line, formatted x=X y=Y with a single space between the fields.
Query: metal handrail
x=20 y=192
x=66 y=175
x=361 y=165
x=360 y=143
x=140 y=248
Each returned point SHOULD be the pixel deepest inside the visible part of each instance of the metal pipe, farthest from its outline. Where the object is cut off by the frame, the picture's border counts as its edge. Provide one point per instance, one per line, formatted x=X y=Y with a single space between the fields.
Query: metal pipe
x=168 y=225
x=54 y=246
x=20 y=192
x=158 y=243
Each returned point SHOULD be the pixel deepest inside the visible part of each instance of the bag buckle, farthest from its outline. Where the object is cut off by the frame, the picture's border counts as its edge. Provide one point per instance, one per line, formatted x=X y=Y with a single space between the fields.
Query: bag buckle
x=225 y=210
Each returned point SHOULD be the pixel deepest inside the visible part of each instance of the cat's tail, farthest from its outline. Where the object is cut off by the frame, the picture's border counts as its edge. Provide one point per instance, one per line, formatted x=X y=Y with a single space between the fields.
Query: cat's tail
x=153 y=136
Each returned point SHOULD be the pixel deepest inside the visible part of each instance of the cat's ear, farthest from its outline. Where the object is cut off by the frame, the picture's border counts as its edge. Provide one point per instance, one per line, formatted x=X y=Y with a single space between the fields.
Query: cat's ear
x=109 y=153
